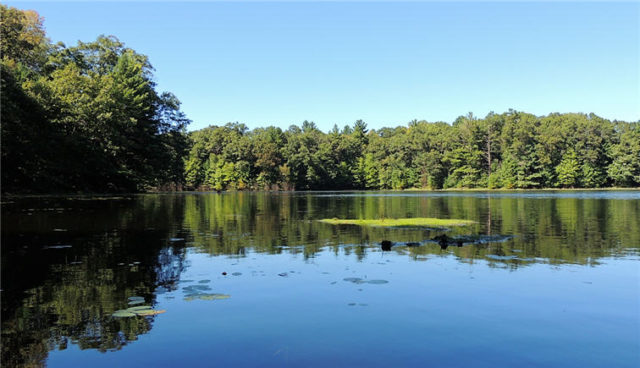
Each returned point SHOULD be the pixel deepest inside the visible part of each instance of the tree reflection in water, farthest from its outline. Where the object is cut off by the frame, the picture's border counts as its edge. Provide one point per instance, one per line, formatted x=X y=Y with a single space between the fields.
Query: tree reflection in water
x=53 y=294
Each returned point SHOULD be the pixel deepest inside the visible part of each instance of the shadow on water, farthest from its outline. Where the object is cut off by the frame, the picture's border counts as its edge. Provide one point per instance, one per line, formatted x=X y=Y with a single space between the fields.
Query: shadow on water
x=69 y=263
x=53 y=295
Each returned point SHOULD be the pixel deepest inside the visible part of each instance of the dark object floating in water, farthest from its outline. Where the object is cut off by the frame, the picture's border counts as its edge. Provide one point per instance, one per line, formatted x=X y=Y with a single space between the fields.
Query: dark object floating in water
x=176 y=239
x=237 y=274
x=444 y=241
x=284 y=274
x=57 y=246
x=386 y=245
x=224 y=274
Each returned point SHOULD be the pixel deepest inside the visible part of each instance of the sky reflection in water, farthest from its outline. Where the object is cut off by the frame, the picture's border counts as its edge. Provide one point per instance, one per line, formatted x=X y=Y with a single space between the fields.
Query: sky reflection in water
x=562 y=290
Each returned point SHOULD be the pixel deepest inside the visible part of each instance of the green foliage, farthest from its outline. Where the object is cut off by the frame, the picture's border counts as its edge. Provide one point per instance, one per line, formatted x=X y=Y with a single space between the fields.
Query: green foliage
x=624 y=169
x=510 y=150
x=83 y=118
x=569 y=170
x=98 y=101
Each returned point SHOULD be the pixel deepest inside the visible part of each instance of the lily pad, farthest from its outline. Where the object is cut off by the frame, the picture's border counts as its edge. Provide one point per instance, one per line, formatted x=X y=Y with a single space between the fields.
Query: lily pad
x=138 y=308
x=123 y=314
x=196 y=288
x=203 y=296
x=378 y=282
x=355 y=280
x=150 y=312
x=135 y=297
x=134 y=302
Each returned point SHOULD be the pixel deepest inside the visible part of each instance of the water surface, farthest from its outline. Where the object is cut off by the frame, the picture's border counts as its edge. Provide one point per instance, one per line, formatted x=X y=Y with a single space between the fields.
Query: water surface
x=542 y=279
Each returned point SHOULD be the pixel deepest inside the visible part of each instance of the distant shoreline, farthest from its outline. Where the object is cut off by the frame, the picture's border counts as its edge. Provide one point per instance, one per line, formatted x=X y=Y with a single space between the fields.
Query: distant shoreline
x=411 y=190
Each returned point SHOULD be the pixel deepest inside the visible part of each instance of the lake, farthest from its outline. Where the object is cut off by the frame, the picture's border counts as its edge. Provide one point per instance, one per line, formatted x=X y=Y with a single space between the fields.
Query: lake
x=254 y=279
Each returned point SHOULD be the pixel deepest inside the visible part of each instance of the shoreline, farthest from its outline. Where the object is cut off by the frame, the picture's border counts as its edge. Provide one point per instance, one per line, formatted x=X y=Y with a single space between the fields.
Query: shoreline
x=111 y=196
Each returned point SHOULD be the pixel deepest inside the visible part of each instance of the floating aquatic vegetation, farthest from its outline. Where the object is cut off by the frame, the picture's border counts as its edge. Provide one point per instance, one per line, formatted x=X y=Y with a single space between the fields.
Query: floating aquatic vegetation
x=377 y=282
x=138 y=308
x=135 y=302
x=196 y=288
x=123 y=314
x=206 y=296
x=357 y=280
x=143 y=310
x=134 y=298
x=151 y=312
x=401 y=222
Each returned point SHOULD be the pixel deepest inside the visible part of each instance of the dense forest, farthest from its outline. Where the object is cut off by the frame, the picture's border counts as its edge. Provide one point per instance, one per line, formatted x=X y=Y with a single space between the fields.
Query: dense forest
x=89 y=119
x=509 y=150
x=85 y=118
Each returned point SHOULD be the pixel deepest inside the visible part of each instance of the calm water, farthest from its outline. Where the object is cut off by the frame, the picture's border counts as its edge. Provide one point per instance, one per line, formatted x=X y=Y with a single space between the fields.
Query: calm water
x=542 y=279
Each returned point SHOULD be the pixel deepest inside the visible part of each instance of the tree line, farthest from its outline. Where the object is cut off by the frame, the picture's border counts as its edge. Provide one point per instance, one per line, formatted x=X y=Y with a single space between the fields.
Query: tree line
x=88 y=118
x=85 y=118
x=509 y=150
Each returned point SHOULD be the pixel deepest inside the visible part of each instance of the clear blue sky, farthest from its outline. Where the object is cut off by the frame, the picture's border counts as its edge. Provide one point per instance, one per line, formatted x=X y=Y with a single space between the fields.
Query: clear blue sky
x=386 y=63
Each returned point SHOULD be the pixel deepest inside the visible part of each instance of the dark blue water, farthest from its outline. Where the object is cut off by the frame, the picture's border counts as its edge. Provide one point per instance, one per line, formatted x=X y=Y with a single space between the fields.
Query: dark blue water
x=549 y=280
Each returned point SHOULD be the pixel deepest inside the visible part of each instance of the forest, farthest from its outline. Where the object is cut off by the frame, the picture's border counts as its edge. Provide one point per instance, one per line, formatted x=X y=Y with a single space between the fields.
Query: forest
x=88 y=118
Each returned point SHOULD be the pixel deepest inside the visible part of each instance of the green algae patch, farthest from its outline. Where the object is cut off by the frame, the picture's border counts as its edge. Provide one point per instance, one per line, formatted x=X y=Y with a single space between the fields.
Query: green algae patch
x=402 y=222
